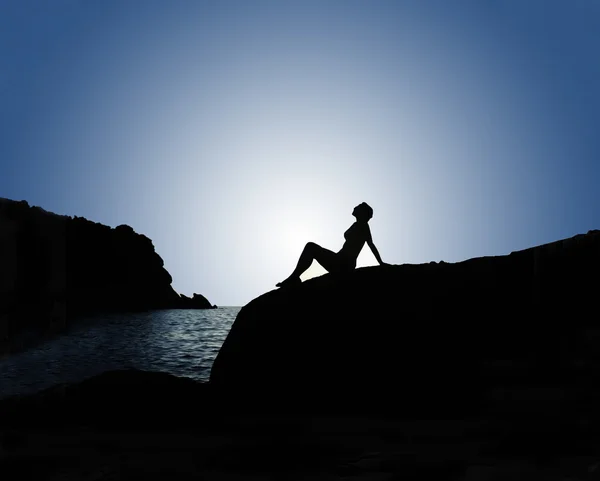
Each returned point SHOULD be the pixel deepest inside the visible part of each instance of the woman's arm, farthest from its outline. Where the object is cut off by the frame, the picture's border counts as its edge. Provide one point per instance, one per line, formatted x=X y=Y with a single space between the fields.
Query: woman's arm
x=374 y=249
x=376 y=253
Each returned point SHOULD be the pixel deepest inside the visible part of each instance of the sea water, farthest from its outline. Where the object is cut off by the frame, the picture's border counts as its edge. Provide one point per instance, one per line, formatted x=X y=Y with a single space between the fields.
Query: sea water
x=183 y=342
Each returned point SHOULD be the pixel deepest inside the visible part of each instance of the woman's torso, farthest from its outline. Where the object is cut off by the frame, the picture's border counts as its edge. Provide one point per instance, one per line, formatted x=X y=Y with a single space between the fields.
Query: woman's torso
x=356 y=237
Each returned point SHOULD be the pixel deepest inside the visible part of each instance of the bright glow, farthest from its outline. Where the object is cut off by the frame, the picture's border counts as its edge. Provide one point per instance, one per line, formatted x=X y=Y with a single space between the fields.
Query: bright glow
x=232 y=133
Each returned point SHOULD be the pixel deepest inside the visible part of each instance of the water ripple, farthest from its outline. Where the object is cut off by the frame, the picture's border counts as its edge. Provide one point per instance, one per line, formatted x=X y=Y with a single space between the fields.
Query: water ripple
x=181 y=342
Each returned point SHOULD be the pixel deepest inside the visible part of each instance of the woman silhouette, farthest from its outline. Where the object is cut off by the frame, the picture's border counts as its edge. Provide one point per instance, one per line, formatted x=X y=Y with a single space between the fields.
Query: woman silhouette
x=344 y=260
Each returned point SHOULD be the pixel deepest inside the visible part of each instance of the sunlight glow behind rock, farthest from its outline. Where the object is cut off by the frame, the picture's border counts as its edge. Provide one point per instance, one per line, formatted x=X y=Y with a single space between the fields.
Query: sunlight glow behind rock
x=233 y=134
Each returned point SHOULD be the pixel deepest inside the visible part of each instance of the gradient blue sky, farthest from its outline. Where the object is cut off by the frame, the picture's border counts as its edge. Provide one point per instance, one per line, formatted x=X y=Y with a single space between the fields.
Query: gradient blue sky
x=233 y=132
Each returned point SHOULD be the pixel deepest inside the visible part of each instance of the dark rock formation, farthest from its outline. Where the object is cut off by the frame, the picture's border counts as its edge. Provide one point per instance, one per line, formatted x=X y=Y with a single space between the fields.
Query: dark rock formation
x=198 y=301
x=124 y=397
x=143 y=425
x=55 y=269
x=425 y=336
x=507 y=346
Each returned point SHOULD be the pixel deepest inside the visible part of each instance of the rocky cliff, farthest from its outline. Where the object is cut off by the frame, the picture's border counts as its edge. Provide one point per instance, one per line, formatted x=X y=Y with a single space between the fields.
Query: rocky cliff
x=57 y=268
x=423 y=335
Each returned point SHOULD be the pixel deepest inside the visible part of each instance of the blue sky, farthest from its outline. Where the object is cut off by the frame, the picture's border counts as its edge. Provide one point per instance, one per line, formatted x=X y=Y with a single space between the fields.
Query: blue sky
x=233 y=132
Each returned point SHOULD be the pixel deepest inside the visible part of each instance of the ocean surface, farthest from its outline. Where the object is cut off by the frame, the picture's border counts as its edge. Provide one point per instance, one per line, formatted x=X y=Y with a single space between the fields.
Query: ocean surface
x=183 y=342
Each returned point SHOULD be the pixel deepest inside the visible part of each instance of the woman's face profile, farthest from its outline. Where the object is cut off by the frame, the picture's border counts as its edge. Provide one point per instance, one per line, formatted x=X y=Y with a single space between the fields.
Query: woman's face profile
x=362 y=211
x=357 y=210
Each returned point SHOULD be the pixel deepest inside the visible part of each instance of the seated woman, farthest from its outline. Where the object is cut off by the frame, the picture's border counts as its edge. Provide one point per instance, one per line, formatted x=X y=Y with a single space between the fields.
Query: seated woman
x=344 y=260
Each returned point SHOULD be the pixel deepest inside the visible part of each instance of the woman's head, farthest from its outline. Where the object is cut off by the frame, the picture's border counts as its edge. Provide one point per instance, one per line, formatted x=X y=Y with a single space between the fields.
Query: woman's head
x=363 y=212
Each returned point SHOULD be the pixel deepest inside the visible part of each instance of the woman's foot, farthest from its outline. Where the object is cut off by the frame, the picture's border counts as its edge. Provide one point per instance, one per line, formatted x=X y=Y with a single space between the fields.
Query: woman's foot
x=290 y=281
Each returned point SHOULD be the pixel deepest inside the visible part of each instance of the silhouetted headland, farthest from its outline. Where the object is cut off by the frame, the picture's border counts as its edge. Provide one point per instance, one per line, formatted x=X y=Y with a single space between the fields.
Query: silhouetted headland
x=56 y=269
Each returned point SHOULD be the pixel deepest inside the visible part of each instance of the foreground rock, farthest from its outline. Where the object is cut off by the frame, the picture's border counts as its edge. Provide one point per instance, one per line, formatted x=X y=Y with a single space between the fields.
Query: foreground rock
x=143 y=425
x=57 y=268
x=430 y=338
x=132 y=398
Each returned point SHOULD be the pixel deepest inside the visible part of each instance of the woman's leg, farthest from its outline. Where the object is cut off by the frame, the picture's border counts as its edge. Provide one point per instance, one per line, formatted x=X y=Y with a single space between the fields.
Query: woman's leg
x=312 y=251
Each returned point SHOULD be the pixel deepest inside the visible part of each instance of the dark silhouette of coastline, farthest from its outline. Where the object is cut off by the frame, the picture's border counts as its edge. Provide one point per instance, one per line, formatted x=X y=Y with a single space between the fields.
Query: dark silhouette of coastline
x=56 y=269
x=344 y=261
x=482 y=369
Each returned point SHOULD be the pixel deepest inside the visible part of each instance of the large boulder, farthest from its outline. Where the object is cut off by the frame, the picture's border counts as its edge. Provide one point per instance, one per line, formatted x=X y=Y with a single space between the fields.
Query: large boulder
x=413 y=334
